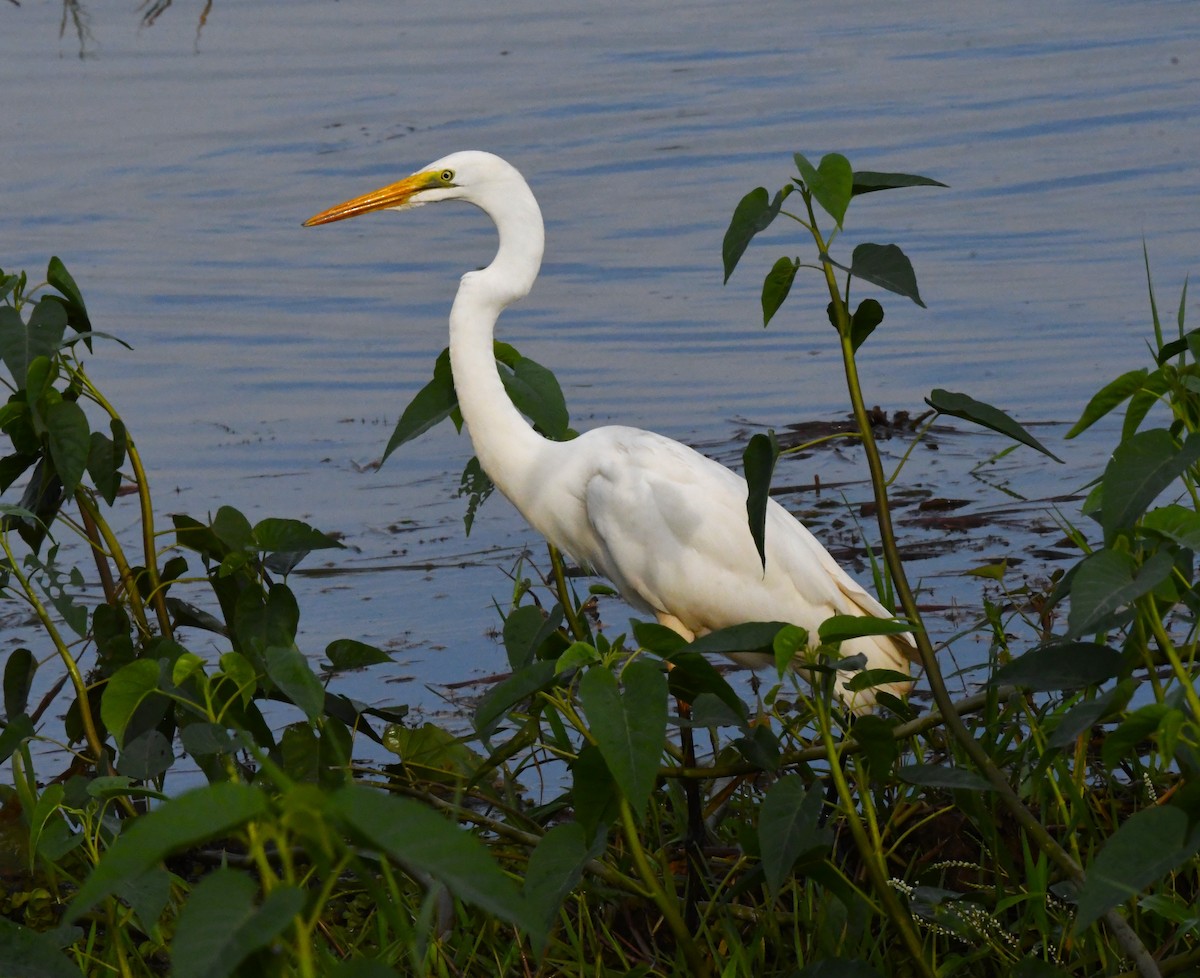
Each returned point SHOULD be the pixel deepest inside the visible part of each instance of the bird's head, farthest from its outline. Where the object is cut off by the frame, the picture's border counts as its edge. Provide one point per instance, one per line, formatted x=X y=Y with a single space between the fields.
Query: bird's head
x=459 y=176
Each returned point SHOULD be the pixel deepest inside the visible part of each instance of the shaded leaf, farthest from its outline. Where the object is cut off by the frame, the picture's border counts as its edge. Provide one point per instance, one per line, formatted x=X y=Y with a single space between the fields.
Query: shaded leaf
x=788 y=828
x=628 y=724
x=752 y=636
x=21 y=343
x=888 y=267
x=962 y=406
x=72 y=299
x=943 y=776
x=555 y=868
x=274 y=535
x=831 y=182
x=69 y=440
x=1144 y=849
x=1087 y=714
x=536 y=393
x=290 y=671
x=867 y=316
x=431 y=405
x=186 y=820
x=516 y=689
x=777 y=285
x=758 y=461
x=346 y=653
x=1180 y=524
x=419 y=839
x=1141 y=467
x=125 y=692
x=692 y=676
x=19 y=669
x=147 y=756
x=1066 y=665
x=1107 y=398
x=840 y=628
x=1106 y=582
x=34 y=955
x=220 y=926
x=754 y=213
x=869 y=181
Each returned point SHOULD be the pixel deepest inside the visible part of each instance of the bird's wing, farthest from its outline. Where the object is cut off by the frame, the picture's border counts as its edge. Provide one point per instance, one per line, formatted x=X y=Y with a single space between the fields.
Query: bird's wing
x=671 y=531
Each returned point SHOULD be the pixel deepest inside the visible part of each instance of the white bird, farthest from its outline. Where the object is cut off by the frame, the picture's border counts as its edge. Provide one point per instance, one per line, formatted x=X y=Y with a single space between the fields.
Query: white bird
x=666 y=525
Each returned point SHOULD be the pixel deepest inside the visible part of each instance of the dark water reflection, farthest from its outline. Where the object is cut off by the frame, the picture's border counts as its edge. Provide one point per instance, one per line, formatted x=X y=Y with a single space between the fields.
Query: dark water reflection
x=171 y=169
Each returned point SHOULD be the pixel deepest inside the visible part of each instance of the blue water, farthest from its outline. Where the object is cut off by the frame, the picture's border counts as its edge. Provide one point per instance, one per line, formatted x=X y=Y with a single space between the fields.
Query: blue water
x=171 y=166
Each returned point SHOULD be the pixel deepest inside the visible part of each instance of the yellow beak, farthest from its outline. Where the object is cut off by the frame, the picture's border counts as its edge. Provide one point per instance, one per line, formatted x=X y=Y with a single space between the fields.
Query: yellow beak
x=393 y=195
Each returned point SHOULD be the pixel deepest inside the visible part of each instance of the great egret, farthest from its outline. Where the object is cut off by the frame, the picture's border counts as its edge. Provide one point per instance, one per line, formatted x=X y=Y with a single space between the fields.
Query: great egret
x=664 y=523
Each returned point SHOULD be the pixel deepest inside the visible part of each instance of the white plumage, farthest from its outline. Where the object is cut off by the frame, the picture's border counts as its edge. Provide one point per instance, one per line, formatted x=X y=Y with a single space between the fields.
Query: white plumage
x=666 y=525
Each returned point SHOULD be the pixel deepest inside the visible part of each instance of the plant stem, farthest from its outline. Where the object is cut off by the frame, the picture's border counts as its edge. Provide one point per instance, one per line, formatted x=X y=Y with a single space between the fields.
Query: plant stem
x=698 y=965
x=91 y=731
x=564 y=594
x=1126 y=938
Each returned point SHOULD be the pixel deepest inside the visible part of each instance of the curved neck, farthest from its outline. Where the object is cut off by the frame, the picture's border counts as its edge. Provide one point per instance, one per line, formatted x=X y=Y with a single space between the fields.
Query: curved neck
x=507 y=447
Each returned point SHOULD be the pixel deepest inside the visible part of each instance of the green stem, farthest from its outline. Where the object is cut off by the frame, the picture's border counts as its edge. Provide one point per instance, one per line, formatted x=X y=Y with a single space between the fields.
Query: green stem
x=698 y=965
x=564 y=594
x=872 y=856
x=1126 y=938
x=90 y=730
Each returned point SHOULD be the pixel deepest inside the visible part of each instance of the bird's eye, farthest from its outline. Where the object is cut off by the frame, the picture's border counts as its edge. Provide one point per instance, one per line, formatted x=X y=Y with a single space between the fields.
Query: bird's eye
x=446 y=176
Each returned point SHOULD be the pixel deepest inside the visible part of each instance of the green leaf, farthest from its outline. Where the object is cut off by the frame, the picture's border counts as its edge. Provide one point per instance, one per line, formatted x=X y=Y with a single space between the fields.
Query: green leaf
x=789 y=828
x=594 y=794
x=1107 y=398
x=536 y=393
x=274 y=535
x=1066 y=665
x=841 y=628
x=69 y=440
x=869 y=181
x=758 y=461
x=220 y=926
x=831 y=182
x=692 y=675
x=516 y=689
x=656 y=638
x=431 y=405
x=21 y=343
x=421 y=840
x=146 y=756
x=1141 y=467
x=19 y=669
x=1179 y=524
x=1107 y=581
x=1147 y=847
x=751 y=636
x=867 y=316
x=754 y=213
x=628 y=725
x=555 y=868
x=777 y=285
x=124 y=693
x=789 y=642
x=525 y=629
x=347 y=653
x=290 y=671
x=233 y=529
x=105 y=458
x=961 y=406
x=186 y=820
x=59 y=278
x=943 y=776
x=1087 y=714
x=888 y=267
x=34 y=955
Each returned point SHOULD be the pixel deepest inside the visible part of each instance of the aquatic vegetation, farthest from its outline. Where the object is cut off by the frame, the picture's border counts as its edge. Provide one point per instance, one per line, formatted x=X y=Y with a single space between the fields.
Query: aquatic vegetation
x=1043 y=826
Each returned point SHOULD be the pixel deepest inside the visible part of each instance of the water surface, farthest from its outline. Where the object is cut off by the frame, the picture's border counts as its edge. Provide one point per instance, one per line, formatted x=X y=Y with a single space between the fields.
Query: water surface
x=170 y=168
